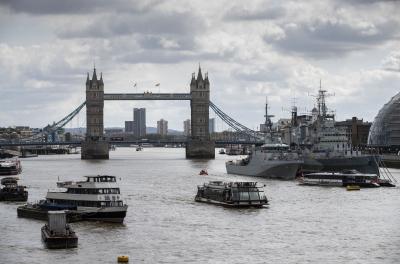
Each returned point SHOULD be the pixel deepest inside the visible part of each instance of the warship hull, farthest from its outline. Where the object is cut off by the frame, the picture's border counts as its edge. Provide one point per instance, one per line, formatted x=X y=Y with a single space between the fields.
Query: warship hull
x=363 y=164
x=275 y=170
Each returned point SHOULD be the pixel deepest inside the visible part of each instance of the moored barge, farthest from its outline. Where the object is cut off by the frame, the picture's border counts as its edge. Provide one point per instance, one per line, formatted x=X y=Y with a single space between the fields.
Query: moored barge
x=340 y=179
x=232 y=194
x=57 y=233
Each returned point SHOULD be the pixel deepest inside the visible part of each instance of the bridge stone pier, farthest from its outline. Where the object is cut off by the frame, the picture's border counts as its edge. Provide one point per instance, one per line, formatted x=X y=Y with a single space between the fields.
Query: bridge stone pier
x=199 y=144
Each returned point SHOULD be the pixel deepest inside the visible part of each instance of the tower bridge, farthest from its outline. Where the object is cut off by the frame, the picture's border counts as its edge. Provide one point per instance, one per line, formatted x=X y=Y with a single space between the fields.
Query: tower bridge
x=199 y=145
x=95 y=145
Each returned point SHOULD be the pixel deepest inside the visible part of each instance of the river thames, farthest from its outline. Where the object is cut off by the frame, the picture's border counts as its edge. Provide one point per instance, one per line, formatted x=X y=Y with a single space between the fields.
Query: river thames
x=164 y=225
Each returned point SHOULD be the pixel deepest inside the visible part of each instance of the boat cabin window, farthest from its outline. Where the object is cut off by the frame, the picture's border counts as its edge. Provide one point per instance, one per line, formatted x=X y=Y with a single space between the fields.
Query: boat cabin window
x=247 y=194
x=254 y=196
x=101 y=179
x=93 y=191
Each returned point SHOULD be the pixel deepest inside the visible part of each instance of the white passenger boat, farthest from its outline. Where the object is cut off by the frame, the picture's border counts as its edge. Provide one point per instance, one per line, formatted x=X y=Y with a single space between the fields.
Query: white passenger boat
x=97 y=198
x=232 y=194
x=340 y=179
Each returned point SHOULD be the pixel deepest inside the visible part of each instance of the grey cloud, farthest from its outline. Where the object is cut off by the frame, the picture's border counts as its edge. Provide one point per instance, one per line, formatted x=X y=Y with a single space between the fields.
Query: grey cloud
x=52 y=7
x=173 y=42
x=368 y=2
x=261 y=13
x=392 y=62
x=270 y=74
x=145 y=23
x=166 y=56
x=327 y=39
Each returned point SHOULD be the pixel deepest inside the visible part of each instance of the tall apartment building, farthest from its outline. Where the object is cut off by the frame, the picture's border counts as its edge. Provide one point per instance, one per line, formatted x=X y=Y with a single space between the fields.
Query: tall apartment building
x=139 y=118
x=162 y=127
x=186 y=127
x=211 y=125
x=129 y=126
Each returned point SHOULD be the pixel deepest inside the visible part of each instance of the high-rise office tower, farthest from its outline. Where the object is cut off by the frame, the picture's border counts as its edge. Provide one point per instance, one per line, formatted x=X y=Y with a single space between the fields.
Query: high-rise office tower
x=186 y=127
x=139 y=117
x=162 y=127
x=211 y=125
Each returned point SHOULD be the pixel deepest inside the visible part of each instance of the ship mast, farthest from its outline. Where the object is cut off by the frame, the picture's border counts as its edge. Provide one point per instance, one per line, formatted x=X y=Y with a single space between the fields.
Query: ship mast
x=268 y=122
x=321 y=103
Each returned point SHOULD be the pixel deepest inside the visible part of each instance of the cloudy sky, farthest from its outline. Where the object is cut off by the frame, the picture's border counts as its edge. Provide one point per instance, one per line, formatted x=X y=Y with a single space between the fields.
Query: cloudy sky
x=251 y=49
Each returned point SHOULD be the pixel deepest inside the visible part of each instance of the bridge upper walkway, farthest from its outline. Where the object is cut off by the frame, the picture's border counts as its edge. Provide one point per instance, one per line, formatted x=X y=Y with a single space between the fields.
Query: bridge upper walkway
x=147 y=96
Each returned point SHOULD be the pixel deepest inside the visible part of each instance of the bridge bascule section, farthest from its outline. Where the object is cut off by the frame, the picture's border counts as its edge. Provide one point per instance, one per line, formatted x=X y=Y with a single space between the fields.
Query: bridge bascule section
x=199 y=145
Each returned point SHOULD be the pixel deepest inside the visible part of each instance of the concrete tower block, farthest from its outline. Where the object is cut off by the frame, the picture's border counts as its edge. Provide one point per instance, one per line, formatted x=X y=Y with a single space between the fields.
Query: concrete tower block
x=200 y=145
x=95 y=145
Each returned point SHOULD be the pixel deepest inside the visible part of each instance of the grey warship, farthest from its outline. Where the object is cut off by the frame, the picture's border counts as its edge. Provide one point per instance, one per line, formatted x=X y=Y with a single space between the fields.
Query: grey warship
x=330 y=147
x=272 y=160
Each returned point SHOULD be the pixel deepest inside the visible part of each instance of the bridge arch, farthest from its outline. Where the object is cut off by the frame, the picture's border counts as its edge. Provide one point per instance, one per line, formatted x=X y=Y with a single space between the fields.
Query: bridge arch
x=199 y=145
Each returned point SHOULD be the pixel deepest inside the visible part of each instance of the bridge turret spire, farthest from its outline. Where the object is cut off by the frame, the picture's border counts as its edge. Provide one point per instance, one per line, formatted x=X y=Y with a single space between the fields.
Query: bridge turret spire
x=101 y=78
x=87 y=79
x=193 y=81
x=199 y=75
x=94 y=77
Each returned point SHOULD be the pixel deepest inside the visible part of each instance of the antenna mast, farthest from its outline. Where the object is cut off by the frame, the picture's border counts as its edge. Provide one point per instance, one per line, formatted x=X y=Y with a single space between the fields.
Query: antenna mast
x=268 y=122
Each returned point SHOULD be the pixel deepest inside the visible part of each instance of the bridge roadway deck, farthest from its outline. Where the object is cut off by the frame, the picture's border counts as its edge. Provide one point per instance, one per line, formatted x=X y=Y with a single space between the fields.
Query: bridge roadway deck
x=147 y=96
x=78 y=143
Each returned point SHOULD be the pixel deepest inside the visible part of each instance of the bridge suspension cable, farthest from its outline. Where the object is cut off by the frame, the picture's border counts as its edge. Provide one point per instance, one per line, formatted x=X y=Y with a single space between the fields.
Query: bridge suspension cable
x=226 y=118
x=234 y=124
x=58 y=125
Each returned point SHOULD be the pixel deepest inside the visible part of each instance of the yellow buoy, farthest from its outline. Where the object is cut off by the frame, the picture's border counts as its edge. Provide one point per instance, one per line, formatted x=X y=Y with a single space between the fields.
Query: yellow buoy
x=123 y=259
x=353 y=187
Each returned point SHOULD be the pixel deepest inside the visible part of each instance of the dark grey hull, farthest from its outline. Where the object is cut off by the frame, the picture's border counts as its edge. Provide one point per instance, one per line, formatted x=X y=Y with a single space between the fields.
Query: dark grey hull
x=363 y=164
x=58 y=242
x=272 y=170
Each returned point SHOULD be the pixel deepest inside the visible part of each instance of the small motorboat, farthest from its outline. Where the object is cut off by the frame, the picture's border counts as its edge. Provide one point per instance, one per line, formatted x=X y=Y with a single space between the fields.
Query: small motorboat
x=353 y=187
x=203 y=172
x=139 y=148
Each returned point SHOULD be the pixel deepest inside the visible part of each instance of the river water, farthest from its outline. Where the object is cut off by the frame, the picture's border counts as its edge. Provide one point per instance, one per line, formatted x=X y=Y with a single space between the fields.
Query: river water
x=164 y=225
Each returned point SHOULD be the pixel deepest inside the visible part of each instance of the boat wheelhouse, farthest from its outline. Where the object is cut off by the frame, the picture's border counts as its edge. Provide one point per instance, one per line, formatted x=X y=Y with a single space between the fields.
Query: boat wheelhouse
x=340 y=179
x=232 y=194
x=97 y=198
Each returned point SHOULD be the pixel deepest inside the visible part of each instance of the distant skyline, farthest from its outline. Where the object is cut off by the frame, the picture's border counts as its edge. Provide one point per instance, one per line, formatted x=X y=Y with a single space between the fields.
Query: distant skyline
x=279 y=49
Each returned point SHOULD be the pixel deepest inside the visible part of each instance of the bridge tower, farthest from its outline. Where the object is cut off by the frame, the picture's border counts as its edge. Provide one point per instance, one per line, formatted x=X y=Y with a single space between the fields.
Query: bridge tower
x=95 y=145
x=199 y=145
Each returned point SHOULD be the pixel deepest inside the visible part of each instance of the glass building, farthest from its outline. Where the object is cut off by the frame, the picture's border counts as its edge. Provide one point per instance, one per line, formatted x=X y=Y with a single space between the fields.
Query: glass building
x=385 y=129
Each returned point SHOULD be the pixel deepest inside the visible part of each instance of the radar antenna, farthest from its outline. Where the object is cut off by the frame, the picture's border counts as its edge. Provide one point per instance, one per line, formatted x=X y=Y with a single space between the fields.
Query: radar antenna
x=321 y=102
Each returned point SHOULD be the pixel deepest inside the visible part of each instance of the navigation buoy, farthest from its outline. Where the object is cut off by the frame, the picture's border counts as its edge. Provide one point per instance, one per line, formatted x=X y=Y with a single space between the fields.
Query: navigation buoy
x=123 y=259
x=353 y=187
